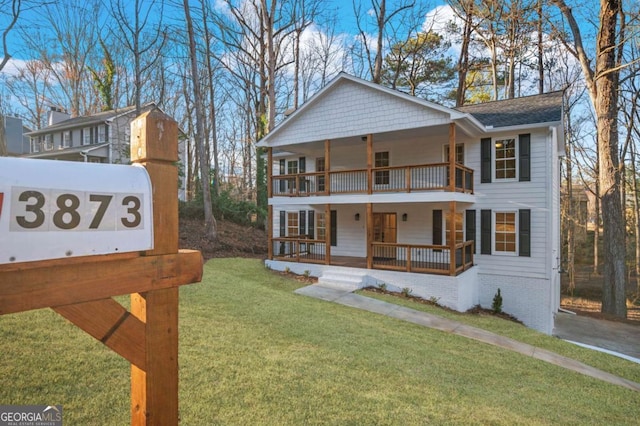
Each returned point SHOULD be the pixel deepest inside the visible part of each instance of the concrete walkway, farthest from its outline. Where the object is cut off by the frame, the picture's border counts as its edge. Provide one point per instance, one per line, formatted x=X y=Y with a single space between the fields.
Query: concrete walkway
x=344 y=297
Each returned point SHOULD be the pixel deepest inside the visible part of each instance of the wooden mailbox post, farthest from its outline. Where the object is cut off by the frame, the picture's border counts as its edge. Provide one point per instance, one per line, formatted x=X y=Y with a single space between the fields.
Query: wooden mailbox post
x=81 y=288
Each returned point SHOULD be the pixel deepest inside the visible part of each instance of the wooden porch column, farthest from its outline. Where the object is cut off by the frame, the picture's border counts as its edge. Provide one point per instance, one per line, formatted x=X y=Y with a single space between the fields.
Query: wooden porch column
x=327 y=166
x=452 y=238
x=269 y=207
x=327 y=234
x=452 y=157
x=369 y=224
x=369 y=163
x=270 y=232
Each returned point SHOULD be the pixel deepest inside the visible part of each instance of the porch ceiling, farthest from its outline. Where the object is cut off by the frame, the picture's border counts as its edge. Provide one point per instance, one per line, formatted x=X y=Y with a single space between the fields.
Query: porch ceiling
x=437 y=134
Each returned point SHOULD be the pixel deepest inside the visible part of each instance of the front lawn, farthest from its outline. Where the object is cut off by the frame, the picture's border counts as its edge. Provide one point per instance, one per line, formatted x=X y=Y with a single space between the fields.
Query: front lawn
x=253 y=352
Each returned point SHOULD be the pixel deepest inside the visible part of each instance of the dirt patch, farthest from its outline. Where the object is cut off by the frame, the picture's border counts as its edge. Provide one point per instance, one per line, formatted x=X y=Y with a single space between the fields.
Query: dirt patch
x=587 y=296
x=476 y=310
x=233 y=240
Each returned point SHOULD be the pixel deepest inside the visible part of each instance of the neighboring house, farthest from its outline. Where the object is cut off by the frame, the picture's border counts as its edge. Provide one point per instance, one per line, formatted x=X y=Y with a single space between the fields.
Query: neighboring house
x=103 y=137
x=97 y=138
x=15 y=135
x=370 y=186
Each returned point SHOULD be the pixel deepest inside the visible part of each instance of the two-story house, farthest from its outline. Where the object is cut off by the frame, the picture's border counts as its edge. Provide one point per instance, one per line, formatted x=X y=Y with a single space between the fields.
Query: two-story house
x=98 y=138
x=103 y=137
x=368 y=185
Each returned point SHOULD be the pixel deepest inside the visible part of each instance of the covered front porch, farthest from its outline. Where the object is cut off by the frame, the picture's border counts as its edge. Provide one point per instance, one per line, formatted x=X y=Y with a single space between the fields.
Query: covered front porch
x=427 y=259
x=426 y=238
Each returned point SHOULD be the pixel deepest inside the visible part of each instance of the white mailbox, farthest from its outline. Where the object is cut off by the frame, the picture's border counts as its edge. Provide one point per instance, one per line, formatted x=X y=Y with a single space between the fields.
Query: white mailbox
x=57 y=209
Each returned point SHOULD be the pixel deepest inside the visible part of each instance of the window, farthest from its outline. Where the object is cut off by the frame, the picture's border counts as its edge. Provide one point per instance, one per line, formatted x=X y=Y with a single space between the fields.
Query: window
x=505 y=232
x=86 y=136
x=381 y=159
x=505 y=165
x=102 y=134
x=48 y=142
x=321 y=226
x=35 y=145
x=66 y=139
x=292 y=167
x=459 y=227
x=459 y=153
x=292 y=224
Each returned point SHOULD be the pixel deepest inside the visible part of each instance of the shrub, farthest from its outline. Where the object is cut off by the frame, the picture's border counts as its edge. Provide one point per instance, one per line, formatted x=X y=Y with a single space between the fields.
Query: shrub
x=406 y=291
x=497 y=303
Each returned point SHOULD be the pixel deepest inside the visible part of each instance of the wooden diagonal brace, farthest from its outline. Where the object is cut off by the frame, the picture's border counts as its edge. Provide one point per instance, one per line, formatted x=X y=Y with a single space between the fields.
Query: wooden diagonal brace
x=109 y=322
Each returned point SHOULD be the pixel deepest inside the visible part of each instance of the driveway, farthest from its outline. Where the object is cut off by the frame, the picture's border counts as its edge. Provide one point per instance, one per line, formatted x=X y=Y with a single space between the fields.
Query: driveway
x=610 y=335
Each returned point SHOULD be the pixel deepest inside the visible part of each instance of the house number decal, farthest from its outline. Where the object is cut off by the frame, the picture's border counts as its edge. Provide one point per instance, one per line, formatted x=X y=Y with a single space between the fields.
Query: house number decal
x=35 y=209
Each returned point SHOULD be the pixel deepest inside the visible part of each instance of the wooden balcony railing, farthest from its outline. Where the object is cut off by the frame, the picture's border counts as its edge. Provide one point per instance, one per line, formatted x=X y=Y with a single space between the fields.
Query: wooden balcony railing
x=426 y=177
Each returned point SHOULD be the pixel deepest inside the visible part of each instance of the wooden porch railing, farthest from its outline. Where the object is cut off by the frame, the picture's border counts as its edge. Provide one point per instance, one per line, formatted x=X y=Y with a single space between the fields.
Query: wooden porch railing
x=295 y=249
x=429 y=259
x=426 y=259
x=425 y=177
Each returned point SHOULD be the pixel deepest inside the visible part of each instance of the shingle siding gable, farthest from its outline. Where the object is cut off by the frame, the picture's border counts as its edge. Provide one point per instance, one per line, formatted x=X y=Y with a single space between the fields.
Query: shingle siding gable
x=351 y=109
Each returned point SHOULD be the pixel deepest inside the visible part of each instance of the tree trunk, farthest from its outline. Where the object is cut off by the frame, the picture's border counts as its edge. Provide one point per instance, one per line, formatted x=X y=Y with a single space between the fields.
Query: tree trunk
x=615 y=277
x=209 y=220
x=603 y=92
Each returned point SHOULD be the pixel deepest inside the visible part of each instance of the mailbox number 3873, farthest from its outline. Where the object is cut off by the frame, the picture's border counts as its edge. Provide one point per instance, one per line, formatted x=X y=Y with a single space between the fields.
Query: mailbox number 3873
x=67 y=211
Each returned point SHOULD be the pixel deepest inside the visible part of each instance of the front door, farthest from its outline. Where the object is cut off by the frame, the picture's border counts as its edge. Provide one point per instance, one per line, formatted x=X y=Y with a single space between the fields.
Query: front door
x=384 y=231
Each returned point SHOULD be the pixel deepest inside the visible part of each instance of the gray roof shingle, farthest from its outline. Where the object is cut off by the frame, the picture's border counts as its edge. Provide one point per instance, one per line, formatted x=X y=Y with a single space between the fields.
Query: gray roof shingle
x=545 y=108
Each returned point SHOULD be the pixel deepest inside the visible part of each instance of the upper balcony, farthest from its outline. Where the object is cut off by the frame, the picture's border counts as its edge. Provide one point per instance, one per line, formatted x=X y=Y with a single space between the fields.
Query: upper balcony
x=415 y=178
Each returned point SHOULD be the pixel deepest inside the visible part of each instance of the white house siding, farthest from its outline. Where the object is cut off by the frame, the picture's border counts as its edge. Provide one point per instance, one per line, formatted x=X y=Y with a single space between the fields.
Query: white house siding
x=526 y=283
x=349 y=109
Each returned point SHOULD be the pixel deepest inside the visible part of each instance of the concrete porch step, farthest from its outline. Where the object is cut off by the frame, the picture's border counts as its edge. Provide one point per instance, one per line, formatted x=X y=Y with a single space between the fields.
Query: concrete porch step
x=342 y=280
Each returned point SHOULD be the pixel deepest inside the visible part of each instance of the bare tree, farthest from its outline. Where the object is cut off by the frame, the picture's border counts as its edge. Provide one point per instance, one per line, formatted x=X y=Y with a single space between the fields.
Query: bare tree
x=382 y=17
x=602 y=84
x=14 y=7
x=145 y=39
x=205 y=178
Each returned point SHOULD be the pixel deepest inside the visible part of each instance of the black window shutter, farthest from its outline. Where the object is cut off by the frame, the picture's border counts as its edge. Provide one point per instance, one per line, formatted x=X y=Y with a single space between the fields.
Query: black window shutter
x=524 y=142
x=311 y=223
x=524 y=235
x=302 y=165
x=334 y=228
x=485 y=160
x=437 y=227
x=485 y=230
x=302 y=223
x=81 y=136
x=283 y=167
x=470 y=226
x=283 y=224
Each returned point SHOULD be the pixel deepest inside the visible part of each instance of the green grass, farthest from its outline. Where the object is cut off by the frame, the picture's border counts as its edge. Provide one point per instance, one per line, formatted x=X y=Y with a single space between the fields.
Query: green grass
x=252 y=352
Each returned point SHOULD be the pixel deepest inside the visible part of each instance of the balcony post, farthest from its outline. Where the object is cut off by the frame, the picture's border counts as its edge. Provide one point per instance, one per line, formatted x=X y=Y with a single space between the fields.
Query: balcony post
x=452 y=238
x=452 y=157
x=369 y=163
x=269 y=172
x=327 y=166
